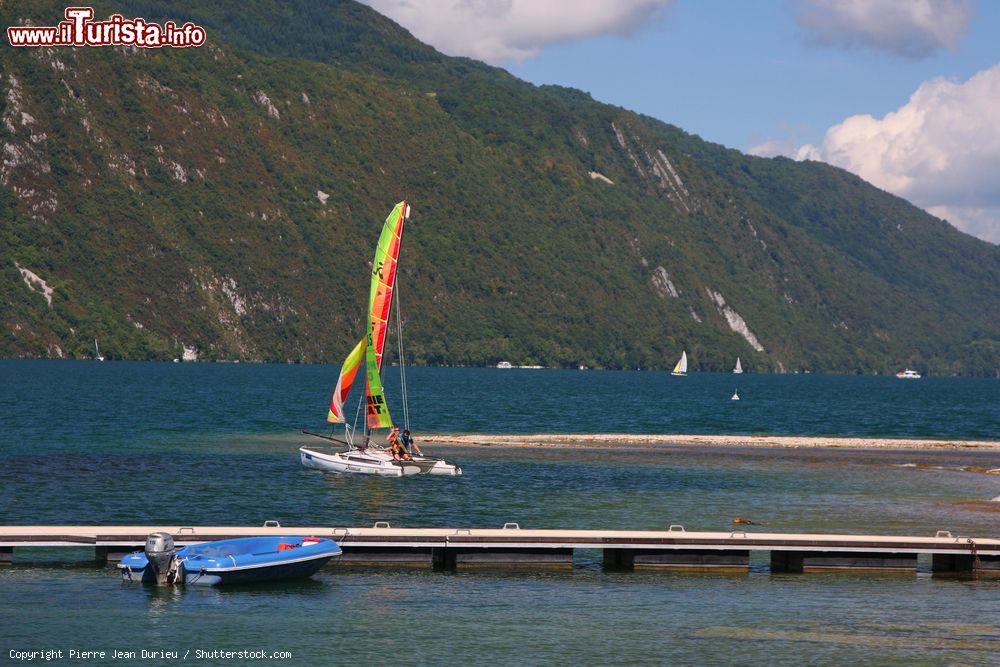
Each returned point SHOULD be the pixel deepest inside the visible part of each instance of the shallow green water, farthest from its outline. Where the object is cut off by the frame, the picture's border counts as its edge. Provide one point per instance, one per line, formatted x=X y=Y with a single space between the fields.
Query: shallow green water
x=123 y=443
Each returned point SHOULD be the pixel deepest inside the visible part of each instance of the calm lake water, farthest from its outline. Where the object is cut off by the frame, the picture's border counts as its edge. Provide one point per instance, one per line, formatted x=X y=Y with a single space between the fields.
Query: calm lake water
x=216 y=443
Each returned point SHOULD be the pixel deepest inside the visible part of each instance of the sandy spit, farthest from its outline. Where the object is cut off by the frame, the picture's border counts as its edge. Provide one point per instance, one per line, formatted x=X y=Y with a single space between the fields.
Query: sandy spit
x=608 y=440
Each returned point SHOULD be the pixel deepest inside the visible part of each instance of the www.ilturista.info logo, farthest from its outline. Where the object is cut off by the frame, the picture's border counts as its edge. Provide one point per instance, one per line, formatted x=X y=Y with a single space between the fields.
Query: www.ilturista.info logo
x=80 y=30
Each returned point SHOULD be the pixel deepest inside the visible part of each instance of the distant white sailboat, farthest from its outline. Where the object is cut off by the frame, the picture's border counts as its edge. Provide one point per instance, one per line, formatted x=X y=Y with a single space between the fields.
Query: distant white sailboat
x=97 y=351
x=739 y=367
x=681 y=368
x=736 y=395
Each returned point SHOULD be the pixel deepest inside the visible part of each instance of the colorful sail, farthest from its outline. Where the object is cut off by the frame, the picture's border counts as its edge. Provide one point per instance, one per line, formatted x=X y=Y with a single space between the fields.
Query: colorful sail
x=376 y=409
x=379 y=303
x=384 y=277
x=347 y=373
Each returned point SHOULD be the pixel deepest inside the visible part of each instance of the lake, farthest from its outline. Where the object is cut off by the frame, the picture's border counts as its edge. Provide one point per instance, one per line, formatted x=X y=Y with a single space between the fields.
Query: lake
x=130 y=442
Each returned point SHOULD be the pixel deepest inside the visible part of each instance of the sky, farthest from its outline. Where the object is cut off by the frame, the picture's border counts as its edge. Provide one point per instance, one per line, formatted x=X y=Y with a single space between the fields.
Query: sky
x=904 y=93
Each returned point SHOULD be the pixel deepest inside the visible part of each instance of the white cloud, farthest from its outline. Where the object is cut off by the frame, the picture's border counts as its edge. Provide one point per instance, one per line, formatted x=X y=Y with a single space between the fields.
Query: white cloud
x=983 y=222
x=500 y=31
x=910 y=28
x=774 y=147
x=940 y=150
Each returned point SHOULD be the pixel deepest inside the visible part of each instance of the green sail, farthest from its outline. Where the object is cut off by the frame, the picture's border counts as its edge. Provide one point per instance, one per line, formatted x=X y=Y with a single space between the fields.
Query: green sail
x=379 y=303
x=376 y=409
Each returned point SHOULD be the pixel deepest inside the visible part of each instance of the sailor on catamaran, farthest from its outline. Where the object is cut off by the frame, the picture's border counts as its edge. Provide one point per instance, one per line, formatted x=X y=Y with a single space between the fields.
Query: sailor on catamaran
x=396 y=446
x=409 y=445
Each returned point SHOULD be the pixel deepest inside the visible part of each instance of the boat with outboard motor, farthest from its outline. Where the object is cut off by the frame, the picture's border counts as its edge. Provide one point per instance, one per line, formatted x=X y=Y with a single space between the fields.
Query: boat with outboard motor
x=237 y=561
x=402 y=458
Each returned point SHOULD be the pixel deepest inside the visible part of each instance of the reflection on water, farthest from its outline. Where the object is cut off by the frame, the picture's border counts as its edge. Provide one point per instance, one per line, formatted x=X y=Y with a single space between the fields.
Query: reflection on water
x=910 y=638
x=503 y=617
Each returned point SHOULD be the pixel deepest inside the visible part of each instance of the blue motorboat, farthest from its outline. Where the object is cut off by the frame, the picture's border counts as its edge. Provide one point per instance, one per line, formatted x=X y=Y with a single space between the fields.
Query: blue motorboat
x=241 y=560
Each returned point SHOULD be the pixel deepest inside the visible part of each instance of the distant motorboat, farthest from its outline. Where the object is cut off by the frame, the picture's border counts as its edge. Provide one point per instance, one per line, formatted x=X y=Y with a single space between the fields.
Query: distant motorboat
x=97 y=351
x=681 y=368
x=504 y=364
x=736 y=395
x=908 y=374
x=738 y=368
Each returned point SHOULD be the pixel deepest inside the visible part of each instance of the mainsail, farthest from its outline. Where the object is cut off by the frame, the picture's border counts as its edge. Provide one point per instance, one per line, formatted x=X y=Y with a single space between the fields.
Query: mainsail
x=380 y=301
x=739 y=367
x=369 y=349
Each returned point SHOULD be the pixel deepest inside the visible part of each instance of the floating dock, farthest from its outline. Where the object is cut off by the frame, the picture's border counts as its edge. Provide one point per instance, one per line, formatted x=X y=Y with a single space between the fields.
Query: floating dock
x=511 y=546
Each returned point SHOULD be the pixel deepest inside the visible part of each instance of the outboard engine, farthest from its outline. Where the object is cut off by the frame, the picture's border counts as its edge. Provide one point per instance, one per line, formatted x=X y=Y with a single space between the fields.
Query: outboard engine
x=162 y=557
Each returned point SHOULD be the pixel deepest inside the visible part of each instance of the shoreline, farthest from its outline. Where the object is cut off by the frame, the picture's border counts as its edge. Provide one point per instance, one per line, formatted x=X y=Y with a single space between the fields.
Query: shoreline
x=612 y=440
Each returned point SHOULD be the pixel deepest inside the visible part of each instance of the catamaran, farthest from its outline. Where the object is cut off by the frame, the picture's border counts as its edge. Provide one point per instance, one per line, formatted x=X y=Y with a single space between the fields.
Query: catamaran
x=681 y=368
x=738 y=368
x=367 y=456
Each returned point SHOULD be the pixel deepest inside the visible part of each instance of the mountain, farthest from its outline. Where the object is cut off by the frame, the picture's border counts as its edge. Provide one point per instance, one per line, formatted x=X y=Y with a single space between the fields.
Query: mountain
x=226 y=199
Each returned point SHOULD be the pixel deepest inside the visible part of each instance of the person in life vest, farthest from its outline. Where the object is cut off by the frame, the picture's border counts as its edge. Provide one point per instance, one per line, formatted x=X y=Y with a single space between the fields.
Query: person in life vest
x=408 y=443
x=396 y=447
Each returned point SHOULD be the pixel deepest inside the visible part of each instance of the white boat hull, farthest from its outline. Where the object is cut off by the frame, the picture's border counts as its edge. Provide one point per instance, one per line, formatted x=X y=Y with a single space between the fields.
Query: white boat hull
x=432 y=466
x=372 y=462
x=375 y=461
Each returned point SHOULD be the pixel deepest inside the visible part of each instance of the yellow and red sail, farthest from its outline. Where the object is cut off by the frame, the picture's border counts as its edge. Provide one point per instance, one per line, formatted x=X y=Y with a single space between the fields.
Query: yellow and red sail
x=347 y=372
x=371 y=347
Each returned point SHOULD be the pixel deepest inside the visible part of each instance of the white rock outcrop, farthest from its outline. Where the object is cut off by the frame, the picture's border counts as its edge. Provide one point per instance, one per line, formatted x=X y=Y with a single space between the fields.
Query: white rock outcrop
x=598 y=176
x=662 y=283
x=261 y=98
x=735 y=321
x=35 y=283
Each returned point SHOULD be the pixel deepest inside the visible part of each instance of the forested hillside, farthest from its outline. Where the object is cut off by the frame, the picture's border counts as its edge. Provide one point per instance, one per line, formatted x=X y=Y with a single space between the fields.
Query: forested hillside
x=227 y=199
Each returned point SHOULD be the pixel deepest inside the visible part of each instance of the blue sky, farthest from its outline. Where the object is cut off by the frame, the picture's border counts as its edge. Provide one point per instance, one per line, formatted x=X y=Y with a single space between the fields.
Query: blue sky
x=904 y=93
x=739 y=73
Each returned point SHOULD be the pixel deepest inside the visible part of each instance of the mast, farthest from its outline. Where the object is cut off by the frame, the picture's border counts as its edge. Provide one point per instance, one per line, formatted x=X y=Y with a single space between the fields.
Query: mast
x=402 y=364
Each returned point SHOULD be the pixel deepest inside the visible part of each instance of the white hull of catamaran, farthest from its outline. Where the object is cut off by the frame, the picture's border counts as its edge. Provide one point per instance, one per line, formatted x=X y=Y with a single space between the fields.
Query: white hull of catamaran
x=375 y=463
x=431 y=466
